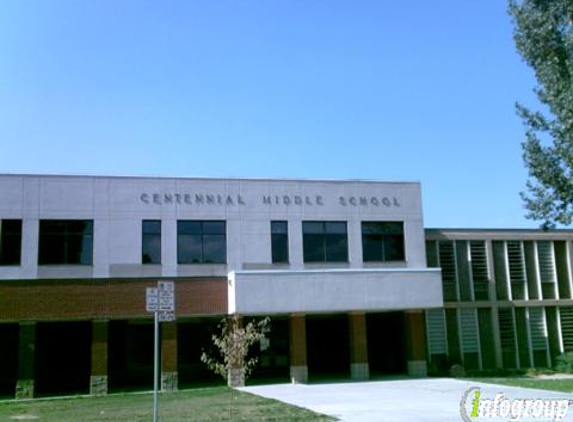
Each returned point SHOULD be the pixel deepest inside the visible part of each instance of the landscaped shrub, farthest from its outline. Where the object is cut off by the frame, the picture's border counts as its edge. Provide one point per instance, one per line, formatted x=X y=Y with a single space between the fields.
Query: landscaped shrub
x=564 y=363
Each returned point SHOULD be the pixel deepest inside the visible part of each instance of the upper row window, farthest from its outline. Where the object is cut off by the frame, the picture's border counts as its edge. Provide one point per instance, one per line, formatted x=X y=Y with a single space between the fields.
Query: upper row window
x=324 y=241
x=382 y=241
x=201 y=242
x=10 y=242
x=66 y=242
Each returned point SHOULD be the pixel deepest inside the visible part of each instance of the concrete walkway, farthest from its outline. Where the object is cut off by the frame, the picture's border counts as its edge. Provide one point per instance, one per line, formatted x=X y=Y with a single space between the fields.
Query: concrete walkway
x=409 y=400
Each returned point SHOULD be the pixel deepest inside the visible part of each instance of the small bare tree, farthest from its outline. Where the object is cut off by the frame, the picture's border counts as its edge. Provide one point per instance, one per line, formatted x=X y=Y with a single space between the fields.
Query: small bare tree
x=234 y=341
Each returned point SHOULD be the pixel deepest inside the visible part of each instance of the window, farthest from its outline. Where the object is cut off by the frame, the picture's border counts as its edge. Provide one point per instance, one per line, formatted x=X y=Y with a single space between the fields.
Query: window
x=324 y=241
x=10 y=242
x=279 y=241
x=151 y=242
x=66 y=242
x=383 y=241
x=201 y=242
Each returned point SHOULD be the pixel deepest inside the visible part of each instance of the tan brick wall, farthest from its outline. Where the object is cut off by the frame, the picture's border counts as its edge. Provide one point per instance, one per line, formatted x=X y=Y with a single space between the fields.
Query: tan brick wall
x=99 y=348
x=297 y=340
x=357 y=337
x=415 y=335
x=169 y=347
x=45 y=300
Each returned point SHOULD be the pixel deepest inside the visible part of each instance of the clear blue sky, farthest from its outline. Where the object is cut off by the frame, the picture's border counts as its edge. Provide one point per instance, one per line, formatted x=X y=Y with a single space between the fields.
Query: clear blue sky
x=363 y=89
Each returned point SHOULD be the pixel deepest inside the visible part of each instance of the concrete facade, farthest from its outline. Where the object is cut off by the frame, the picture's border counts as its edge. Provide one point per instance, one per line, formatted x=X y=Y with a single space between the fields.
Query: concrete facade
x=109 y=292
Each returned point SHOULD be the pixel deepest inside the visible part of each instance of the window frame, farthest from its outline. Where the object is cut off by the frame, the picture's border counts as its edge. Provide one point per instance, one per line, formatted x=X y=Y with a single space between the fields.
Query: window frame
x=66 y=235
x=7 y=237
x=203 y=233
x=317 y=230
x=150 y=234
x=278 y=236
x=383 y=240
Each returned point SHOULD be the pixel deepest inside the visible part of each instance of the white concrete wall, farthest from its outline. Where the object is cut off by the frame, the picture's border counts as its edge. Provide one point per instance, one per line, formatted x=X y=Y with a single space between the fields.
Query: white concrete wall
x=325 y=291
x=117 y=207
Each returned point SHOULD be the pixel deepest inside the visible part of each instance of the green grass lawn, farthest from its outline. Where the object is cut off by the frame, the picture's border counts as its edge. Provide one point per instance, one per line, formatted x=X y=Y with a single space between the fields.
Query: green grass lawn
x=560 y=384
x=199 y=405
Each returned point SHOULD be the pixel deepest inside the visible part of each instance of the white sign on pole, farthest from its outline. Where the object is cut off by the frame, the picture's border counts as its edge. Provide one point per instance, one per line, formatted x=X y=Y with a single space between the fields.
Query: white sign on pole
x=152 y=299
x=166 y=316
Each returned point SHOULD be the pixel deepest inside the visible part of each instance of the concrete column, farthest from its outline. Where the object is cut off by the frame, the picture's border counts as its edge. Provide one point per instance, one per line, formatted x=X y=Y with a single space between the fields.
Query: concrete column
x=416 y=343
x=359 y=369
x=27 y=349
x=169 y=375
x=99 y=367
x=297 y=341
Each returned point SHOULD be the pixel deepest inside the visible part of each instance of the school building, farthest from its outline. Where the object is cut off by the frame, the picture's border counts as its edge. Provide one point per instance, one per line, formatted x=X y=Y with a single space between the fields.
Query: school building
x=355 y=286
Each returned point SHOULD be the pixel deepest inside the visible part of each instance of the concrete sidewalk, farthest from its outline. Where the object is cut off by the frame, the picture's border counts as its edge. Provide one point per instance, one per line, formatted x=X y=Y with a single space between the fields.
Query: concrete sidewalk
x=408 y=400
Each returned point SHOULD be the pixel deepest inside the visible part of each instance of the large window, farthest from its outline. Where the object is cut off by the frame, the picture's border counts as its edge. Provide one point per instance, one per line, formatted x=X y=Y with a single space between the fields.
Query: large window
x=325 y=241
x=201 y=242
x=383 y=241
x=10 y=242
x=151 y=242
x=66 y=242
x=279 y=241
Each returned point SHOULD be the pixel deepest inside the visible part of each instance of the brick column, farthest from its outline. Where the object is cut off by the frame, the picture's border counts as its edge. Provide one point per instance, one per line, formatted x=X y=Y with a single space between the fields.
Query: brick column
x=297 y=342
x=169 y=375
x=359 y=369
x=99 y=376
x=416 y=343
x=26 y=360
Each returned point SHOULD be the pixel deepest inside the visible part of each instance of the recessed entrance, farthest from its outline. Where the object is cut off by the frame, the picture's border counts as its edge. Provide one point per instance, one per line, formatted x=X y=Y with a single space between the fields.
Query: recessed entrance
x=63 y=353
x=328 y=348
x=386 y=343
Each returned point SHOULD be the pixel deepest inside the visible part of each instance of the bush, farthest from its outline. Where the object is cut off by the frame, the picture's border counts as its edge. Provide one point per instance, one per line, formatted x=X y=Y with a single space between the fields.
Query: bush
x=564 y=363
x=457 y=371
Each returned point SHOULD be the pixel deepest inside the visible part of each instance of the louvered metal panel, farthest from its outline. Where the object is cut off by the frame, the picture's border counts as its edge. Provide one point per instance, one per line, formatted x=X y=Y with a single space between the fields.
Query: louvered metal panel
x=538 y=329
x=480 y=274
x=436 y=327
x=507 y=330
x=516 y=265
x=469 y=330
x=546 y=258
x=566 y=316
x=447 y=255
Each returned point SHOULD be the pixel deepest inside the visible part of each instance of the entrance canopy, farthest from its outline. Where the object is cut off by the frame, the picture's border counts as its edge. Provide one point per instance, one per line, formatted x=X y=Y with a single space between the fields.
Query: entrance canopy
x=333 y=290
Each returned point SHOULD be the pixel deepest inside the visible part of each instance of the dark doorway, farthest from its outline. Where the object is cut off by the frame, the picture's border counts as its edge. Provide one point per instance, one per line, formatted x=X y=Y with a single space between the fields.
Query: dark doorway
x=386 y=343
x=192 y=338
x=130 y=349
x=63 y=352
x=273 y=363
x=8 y=359
x=328 y=348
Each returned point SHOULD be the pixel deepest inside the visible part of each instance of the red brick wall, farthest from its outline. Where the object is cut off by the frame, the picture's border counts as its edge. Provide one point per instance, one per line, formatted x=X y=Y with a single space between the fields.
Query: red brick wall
x=41 y=300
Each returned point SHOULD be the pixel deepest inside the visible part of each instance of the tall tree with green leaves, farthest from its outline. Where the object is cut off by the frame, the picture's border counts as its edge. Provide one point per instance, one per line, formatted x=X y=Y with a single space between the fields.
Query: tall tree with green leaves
x=543 y=34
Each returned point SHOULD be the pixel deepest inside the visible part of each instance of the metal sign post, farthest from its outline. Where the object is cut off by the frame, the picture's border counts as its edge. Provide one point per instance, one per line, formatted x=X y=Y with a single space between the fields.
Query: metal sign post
x=160 y=301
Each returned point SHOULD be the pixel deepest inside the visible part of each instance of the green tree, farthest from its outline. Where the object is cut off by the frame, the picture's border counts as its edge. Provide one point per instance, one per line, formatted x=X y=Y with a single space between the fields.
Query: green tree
x=543 y=34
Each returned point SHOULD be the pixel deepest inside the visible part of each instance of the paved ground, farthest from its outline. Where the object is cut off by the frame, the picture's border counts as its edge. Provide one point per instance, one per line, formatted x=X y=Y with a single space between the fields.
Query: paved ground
x=409 y=400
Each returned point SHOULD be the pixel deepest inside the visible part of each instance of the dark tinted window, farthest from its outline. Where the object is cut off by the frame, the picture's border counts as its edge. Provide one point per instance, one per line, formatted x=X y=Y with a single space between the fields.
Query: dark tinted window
x=10 y=242
x=279 y=241
x=201 y=242
x=66 y=242
x=325 y=241
x=151 y=242
x=383 y=241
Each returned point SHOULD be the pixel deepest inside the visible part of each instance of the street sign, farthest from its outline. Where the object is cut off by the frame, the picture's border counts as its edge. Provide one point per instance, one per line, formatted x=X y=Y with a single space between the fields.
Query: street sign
x=166 y=316
x=152 y=299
